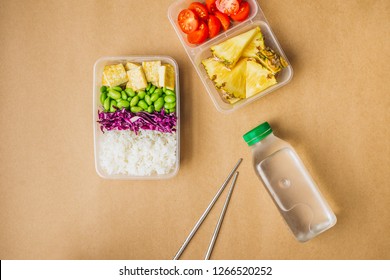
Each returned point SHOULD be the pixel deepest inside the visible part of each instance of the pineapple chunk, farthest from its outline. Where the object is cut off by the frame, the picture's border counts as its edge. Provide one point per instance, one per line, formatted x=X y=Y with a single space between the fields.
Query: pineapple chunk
x=167 y=76
x=137 y=80
x=216 y=70
x=271 y=60
x=230 y=50
x=114 y=75
x=258 y=78
x=254 y=46
x=151 y=71
x=131 y=65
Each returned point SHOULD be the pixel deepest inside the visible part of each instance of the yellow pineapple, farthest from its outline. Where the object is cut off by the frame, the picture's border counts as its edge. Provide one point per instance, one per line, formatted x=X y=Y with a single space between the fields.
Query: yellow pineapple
x=258 y=78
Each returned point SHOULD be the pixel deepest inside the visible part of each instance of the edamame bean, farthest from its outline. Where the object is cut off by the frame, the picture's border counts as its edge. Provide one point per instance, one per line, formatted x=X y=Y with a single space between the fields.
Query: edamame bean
x=123 y=103
x=159 y=104
x=169 y=92
x=130 y=92
x=114 y=94
x=129 y=99
x=173 y=110
x=135 y=109
x=143 y=104
x=134 y=101
x=169 y=105
x=154 y=97
x=148 y=100
x=159 y=91
x=103 y=97
x=124 y=95
x=152 y=89
x=148 y=87
x=170 y=98
x=103 y=89
x=107 y=104
x=117 y=88
x=151 y=109
x=141 y=94
x=113 y=104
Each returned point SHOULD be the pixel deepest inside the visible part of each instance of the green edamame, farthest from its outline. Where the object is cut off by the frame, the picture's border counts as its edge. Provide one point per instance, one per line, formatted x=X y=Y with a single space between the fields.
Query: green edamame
x=159 y=104
x=152 y=89
x=141 y=94
x=113 y=105
x=124 y=95
x=123 y=103
x=134 y=101
x=148 y=100
x=103 y=97
x=135 y=109
x=117 y=88
x=154 y=97
x=106 y=104
x=151 y=109
x=169 y=105
x=114 y=94
x=129 y=99
x=148 y=86
x=159 y=91
x=130 y=92
x=170 y=98
x=103 y=89
x=169 y=92
x=143 y=104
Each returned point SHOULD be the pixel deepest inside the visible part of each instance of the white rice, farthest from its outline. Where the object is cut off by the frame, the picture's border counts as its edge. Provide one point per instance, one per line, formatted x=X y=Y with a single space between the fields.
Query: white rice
x=148 y=153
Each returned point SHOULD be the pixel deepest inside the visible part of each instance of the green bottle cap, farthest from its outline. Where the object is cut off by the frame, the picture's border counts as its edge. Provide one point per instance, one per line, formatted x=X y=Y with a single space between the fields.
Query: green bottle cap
x=257 y=134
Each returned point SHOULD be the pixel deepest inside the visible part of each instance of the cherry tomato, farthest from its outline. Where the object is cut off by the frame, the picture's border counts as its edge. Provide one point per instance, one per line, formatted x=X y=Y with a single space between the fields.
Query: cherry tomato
x=210 y=4
x=224 y=19
x=242 y=13
x=200 y=35
x=188 y=21
x=228 y=7
x=214 y=26
x=200 y=10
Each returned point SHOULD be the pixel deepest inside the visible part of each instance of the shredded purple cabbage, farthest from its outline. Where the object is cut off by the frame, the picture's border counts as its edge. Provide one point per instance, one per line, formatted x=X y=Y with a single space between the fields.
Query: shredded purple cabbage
x=125 y=120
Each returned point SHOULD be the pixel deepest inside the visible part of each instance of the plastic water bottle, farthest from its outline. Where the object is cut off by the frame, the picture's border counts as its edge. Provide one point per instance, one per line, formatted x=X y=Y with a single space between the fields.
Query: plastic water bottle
x=288 y=182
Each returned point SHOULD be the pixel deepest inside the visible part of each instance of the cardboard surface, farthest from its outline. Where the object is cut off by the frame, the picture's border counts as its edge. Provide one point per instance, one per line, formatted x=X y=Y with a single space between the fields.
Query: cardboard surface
x=335 y=112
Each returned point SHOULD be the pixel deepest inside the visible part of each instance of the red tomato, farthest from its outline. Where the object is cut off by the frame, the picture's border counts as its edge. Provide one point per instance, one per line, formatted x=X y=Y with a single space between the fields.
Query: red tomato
x=210 y=4
x=228 y=7
x=214 y=26
x=242 y=13
x=200 y=10
x=224 y=19
x=188 y=21
x=200 y=35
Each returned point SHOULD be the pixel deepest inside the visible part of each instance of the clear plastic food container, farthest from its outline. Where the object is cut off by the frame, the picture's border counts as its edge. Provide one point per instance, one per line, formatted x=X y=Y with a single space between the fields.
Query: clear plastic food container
x=97 y=106
x=199 y=52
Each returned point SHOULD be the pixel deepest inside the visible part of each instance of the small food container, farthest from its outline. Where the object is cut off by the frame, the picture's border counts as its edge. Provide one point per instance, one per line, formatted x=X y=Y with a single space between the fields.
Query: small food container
x=168 y=145
x=197 y=53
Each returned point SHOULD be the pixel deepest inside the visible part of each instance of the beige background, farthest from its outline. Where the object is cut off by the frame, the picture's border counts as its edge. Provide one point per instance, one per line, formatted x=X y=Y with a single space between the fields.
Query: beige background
x=335 y=111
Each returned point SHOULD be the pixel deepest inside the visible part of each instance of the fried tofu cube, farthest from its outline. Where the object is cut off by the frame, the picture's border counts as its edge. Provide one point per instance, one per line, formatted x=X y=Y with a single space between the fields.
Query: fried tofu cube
x=137 y=79
x=114 y=75
x=131 y=65
x=151 y=71
x=167 y=76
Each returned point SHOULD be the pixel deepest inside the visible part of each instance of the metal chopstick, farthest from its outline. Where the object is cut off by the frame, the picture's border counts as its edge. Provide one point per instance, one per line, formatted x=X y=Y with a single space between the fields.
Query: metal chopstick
x=220 y=220
x=206 y=212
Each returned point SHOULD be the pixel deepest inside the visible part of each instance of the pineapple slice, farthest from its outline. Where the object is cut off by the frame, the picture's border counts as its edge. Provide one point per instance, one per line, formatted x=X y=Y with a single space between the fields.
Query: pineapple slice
x=254 y=46
x=271 y=60
x=216 y=70
x=258 y=78
x=114 y=75
x=230 y=50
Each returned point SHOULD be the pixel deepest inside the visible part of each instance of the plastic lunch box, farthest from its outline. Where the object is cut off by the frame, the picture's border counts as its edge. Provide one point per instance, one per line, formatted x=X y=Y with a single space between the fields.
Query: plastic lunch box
x=98 y=134
x=197 y=53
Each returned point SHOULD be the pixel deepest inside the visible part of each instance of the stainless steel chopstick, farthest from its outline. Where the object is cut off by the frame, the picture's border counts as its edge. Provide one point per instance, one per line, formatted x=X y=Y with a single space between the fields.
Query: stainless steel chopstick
x=220 y=220
x=206 y=212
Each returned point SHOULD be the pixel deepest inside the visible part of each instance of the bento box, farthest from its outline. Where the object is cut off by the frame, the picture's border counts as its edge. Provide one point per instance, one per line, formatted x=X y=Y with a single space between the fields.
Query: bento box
x=136 y=117
x=238 y=65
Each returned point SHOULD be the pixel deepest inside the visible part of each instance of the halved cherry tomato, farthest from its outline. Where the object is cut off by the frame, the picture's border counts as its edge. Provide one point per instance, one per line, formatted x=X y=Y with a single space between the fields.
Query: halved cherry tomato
x=228 y=7
x=242 y=13
x=188 y=21
x=200 y=10
x=224 y=19
x=214 y=26
x=210 y=4
x=200 y=35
